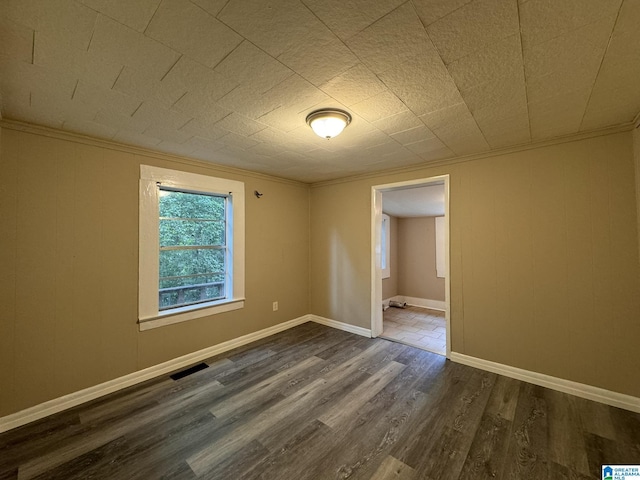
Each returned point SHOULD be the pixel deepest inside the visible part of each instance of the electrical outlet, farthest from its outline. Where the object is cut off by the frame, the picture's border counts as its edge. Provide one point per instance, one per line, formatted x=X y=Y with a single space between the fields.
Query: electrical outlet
x=275 y=306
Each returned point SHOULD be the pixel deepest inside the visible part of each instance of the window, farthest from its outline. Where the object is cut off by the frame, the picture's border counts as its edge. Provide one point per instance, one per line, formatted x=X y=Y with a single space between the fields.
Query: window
x=191 y=246
x=385 y=241
x=193 y=255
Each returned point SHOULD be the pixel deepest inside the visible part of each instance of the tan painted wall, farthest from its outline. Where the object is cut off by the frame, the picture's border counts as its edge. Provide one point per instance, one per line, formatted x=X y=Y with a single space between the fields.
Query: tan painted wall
x=69 y=257
x=636 y=156
x=417 y=259
x=544 y=263
x=390 y=285
x=544 y=258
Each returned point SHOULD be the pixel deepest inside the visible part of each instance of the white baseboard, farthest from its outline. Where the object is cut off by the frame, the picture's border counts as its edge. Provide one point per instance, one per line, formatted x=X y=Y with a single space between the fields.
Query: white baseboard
x=365 y=332
x=422 y=302
x=76 y=398
x=385 y=303
x=56 y=405
x=589 y=392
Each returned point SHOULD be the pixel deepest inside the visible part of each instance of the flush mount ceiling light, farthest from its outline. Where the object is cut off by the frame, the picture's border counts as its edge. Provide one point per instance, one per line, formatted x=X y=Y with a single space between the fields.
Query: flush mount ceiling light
x=328 y=122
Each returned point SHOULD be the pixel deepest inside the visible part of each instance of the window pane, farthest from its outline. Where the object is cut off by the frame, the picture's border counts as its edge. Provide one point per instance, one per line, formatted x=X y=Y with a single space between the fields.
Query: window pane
x=191 y=205
x=189 y=295
x=176 y=263
x=171 y=282
x=191 y=275
x=176 y=232
x=176 y=292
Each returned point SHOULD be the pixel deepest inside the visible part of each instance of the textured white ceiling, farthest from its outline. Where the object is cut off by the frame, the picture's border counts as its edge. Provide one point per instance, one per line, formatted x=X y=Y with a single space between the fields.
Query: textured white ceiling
x=424 y=201
x=231 y=82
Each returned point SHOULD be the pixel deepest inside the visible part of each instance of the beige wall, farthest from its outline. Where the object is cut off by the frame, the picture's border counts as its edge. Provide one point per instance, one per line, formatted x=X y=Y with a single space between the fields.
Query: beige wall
x=69 y=257
x=544 y=262
x=390 y=285
x=636 y=155
x=544 y=258
x=417 y=259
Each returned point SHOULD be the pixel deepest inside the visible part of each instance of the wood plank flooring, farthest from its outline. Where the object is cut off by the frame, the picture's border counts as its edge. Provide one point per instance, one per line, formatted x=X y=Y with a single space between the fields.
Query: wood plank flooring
x=319 y=403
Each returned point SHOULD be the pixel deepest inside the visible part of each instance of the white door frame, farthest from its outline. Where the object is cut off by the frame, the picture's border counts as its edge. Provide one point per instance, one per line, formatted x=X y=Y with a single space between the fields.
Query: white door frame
x=376 y=228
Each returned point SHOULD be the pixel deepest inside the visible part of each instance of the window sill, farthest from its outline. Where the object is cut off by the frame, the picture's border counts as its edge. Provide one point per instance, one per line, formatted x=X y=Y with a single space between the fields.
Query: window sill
x=185 y=314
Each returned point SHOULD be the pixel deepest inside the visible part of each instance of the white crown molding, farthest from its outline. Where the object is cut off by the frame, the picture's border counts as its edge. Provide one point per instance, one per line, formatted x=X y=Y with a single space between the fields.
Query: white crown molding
x=147 y=152
x=626 y=127
x=110 y=144
x=582 y=390
x=76 y=398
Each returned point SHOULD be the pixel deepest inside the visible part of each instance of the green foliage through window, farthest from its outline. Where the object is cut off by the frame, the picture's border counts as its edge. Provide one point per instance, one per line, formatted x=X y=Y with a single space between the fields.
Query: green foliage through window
x=193 y=248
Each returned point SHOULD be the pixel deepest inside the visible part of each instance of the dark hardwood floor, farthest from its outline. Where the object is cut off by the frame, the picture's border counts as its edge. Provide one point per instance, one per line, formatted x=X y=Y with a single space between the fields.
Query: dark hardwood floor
x=319 y=403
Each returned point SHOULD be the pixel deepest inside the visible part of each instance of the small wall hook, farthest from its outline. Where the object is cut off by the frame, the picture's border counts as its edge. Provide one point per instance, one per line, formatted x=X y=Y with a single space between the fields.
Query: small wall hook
x=257 y=193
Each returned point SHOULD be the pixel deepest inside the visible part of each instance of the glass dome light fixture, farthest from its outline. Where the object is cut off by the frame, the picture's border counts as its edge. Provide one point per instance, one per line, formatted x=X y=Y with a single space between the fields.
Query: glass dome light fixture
x=328 y=122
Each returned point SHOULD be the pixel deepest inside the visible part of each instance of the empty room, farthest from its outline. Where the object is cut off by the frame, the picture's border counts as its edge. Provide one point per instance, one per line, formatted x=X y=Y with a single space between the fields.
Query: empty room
x=195 y=200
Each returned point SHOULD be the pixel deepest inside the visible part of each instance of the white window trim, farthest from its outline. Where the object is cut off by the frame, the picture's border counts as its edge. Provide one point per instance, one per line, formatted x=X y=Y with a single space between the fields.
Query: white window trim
x=386 y=272
x=149 y=315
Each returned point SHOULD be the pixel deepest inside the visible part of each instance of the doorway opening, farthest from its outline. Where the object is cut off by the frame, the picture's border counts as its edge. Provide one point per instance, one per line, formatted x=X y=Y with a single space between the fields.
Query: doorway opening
x=410 y=251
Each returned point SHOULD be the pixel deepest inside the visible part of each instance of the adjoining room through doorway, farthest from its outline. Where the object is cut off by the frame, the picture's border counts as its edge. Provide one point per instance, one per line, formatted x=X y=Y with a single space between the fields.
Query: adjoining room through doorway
x=413 y=265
